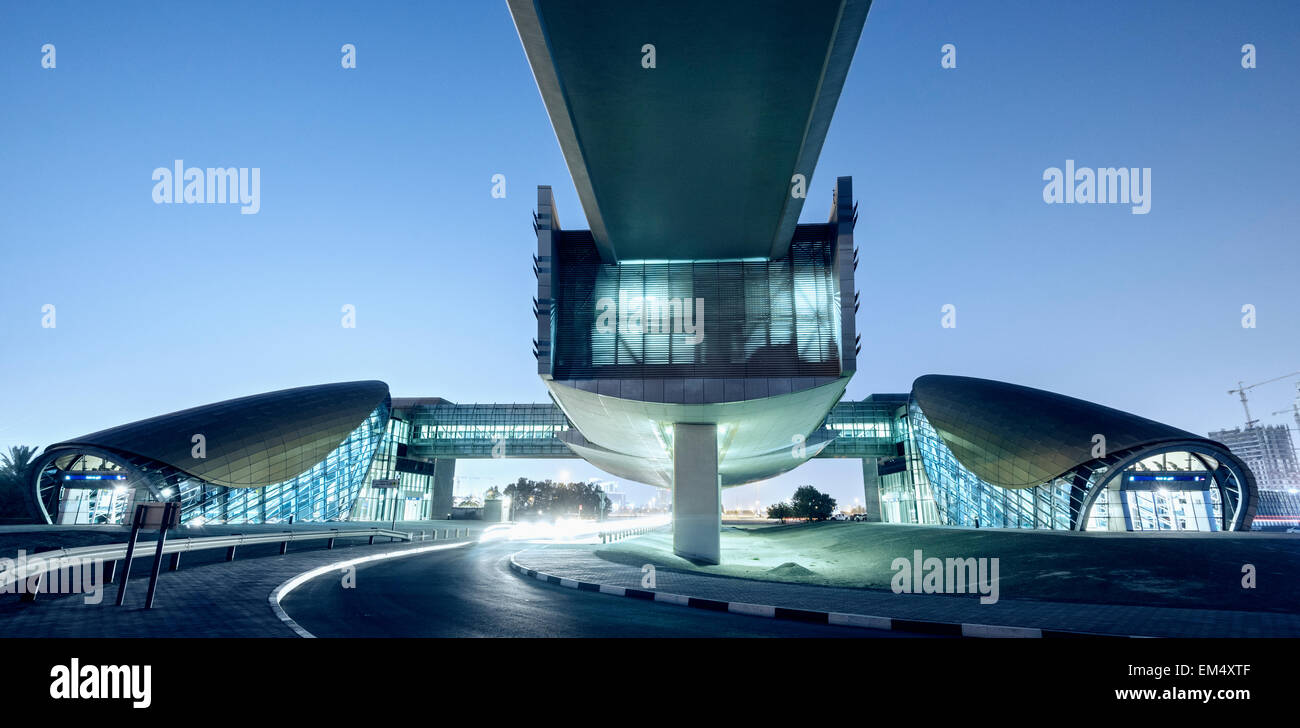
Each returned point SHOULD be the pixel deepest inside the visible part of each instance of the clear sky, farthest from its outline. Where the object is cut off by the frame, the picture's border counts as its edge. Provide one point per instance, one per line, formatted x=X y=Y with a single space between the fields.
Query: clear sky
x=376 y=181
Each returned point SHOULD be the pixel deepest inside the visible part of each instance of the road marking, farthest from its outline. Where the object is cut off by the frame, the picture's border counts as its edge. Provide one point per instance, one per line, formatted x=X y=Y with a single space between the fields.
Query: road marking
x=284 y=589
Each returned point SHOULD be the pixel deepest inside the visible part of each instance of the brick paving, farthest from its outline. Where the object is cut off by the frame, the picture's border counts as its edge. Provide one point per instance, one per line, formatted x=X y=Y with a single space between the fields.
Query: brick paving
x=579 y=563
x=211 y=600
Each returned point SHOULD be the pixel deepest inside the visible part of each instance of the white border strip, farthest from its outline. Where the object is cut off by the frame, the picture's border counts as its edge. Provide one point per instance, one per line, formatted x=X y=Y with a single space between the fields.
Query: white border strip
x=842 y=619
x=280 y=592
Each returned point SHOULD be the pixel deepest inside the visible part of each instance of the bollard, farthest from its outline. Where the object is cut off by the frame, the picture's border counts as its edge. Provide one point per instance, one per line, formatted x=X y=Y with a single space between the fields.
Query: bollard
x=329 y=544
x=372 y=539
x=230 y=554
x=175 y=565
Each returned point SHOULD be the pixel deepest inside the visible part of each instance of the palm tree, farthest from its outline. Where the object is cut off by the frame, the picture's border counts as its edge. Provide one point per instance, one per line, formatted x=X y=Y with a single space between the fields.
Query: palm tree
x=15 y=471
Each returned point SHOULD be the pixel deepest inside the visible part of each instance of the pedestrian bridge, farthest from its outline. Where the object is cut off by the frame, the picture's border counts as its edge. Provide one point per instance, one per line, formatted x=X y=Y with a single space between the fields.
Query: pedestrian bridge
x=439 y=429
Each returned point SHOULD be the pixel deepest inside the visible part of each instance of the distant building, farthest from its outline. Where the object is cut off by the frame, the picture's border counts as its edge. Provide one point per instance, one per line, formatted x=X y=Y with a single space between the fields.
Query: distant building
x=1278 y=510
x=617 y=501
x=1267 y=451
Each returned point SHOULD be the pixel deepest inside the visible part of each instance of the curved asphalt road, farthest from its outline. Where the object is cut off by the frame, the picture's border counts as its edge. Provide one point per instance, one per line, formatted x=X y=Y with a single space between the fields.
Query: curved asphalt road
x=471 y=592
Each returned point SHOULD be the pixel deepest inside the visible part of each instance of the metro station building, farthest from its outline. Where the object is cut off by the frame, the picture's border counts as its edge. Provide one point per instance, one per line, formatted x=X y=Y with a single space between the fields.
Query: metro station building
x=695 y=336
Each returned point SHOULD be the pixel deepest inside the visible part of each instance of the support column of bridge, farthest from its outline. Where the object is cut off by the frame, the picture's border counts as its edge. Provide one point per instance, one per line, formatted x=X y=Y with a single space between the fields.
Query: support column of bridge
x=697 y=493
x=871 y=490
x=444 y=472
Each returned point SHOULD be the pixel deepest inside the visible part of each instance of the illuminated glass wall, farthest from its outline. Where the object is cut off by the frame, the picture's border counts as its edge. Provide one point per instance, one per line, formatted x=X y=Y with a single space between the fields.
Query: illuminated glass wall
x=864 y=428
x=1170 y=491
x=325 y=492
x=696 y=318
x=905 y=494
x=475 y=430
x=962 y=499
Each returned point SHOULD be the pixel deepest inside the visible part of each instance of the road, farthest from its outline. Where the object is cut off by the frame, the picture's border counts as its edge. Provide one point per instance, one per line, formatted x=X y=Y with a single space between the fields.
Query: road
x=471 y=592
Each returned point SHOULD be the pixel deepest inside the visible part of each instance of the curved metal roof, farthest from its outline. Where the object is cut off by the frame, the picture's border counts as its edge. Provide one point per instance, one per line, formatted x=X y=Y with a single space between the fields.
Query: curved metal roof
x=1019 y=437
x=250 y=441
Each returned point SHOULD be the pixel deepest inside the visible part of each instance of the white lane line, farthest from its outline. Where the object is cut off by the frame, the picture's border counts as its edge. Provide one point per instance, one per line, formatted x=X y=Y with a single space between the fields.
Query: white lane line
x=284 y=589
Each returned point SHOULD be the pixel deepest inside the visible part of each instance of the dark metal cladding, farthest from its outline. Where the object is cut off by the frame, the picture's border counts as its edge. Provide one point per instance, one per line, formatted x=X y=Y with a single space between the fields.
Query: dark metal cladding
x=1019 y=437
x=250 y=441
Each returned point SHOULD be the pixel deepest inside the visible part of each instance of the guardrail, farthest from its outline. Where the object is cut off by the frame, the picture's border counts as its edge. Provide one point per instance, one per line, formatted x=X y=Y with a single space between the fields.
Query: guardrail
x=40 y=564
x=619 y=535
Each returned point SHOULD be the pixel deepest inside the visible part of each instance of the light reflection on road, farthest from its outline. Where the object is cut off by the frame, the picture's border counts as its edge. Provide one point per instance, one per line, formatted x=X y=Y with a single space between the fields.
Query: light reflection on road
x=568 y=530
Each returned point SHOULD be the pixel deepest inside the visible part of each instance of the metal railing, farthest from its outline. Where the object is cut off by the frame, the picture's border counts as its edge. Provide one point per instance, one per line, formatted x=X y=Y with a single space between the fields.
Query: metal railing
x=625 y=533
x=40 y=564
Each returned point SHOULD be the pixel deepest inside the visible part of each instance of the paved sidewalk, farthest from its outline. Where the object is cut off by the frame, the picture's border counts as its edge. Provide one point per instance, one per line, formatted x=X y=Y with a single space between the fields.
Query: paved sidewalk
x=580 y=564
x=212 y=600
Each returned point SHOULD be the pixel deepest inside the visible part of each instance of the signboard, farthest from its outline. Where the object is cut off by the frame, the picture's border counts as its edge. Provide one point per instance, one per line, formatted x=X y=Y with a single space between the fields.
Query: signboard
x=151 y=514
x=93 y=479
x=383 y=483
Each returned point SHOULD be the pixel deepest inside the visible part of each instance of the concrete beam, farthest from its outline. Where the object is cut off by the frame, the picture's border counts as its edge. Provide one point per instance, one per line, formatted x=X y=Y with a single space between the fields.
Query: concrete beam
x=697 y=493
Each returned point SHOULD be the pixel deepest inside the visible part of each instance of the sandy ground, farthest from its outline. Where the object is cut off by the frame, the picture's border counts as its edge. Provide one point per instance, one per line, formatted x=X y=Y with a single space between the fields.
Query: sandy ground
x=1187 y=570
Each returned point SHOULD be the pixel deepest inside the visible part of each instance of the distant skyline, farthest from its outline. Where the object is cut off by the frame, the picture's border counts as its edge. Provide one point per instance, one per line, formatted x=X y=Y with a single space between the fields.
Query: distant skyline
x=375 y=192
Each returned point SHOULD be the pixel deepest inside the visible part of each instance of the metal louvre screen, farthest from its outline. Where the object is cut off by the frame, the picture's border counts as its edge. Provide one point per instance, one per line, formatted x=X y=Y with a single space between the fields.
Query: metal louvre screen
x=705 y=318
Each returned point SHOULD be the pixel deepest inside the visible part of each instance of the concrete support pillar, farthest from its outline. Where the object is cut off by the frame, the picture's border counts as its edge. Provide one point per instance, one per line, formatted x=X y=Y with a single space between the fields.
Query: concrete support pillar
x=444 y=473
x=697 y=493
x=871 y=490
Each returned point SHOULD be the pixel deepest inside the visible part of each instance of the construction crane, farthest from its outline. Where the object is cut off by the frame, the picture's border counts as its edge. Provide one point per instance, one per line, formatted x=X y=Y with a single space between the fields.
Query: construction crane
x=1294 y=410
x=1242 y=389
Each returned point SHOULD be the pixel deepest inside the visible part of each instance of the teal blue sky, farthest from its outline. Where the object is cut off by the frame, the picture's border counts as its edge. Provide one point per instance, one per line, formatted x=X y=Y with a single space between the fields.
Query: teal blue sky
x=375 y=191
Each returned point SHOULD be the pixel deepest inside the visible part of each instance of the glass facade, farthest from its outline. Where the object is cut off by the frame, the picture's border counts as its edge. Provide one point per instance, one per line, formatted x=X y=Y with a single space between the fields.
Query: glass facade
x=1278 y=510
x=905 y=495
x=1169 y=491
x=325 y=492
x=962 y=499
x=697 y=318
x=411 y=499
x=476 y=430
x=91 y=489
x=864 y=428
x=1173 y=484
x=1172 y=491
